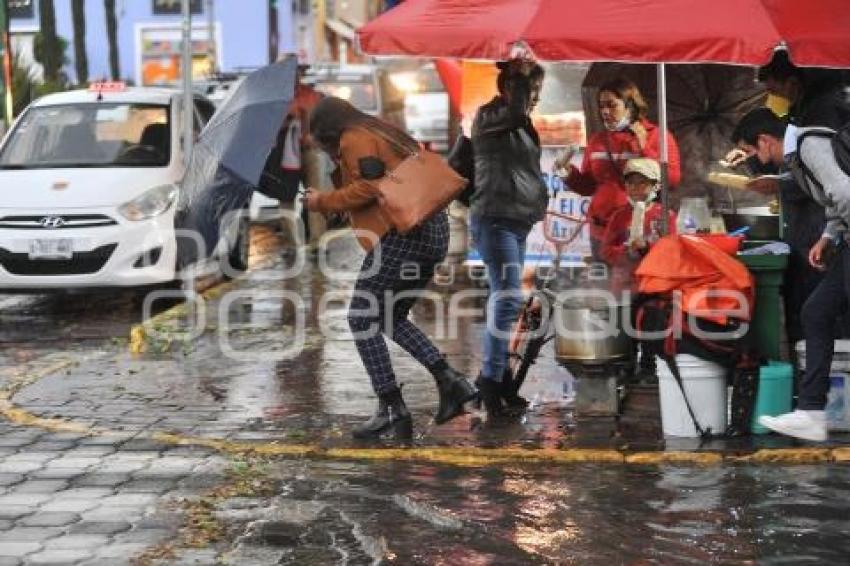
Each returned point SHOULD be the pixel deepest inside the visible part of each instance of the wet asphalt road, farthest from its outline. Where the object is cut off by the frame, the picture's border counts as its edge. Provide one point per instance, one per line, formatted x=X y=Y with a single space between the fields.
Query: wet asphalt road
x=112 y=489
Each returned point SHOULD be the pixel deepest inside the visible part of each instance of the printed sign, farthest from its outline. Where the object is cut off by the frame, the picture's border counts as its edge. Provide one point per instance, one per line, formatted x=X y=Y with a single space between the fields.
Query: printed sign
x=175 y=6
x=21 y=9
x=539 y=250
x=160 y=56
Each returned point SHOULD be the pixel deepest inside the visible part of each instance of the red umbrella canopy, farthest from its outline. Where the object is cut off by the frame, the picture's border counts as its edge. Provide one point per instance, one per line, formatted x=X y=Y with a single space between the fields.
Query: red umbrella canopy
x=649 y=31
x=817 y=32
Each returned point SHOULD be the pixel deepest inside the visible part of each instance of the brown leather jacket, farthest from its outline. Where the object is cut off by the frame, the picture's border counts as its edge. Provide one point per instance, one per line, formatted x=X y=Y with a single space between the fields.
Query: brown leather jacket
x=355 y=195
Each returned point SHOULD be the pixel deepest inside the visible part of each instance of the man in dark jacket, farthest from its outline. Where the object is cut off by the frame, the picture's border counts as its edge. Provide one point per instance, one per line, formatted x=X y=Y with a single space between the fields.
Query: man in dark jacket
x=510 y=197
x=817 y=97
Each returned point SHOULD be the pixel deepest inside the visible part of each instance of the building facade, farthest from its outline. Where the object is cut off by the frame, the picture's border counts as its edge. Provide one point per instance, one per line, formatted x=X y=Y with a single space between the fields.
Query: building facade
x=245 y=34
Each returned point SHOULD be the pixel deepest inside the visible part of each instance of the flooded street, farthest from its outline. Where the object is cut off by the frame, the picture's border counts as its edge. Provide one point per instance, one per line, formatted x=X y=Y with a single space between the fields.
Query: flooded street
x=226 y=440
x=425 y=514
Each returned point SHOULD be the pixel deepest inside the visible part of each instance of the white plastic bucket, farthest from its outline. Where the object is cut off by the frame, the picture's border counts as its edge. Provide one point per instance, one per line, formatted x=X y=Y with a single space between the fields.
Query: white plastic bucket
x=705 y=385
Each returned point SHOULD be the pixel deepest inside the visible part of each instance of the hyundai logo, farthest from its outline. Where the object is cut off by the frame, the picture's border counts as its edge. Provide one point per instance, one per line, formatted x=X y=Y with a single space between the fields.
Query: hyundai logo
x=52 y=222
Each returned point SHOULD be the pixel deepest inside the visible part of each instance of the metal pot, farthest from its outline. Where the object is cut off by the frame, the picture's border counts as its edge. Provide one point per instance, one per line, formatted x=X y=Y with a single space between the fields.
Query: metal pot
x=763 y=224
x=589 y=330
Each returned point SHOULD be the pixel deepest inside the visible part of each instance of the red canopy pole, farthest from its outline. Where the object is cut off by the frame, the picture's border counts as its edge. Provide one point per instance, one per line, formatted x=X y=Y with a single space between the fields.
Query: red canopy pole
x=662 y=124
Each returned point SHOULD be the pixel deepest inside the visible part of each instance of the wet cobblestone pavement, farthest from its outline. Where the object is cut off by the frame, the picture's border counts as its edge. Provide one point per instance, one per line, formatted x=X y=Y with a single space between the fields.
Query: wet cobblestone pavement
x=178 y=455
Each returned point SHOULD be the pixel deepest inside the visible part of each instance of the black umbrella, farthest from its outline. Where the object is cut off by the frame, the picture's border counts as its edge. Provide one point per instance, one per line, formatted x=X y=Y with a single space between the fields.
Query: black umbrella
x=229 y=155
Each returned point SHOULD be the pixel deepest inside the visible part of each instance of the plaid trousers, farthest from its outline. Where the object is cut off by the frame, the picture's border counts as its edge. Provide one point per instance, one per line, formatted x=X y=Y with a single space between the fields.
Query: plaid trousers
x=406 y=264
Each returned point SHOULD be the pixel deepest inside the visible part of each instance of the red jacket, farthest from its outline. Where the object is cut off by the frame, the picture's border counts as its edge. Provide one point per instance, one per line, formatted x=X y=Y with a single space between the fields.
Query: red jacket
x=603 y=179
x=613 y=250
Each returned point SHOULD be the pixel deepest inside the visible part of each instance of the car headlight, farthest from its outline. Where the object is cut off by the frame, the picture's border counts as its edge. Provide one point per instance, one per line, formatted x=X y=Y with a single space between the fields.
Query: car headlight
x=153 y=203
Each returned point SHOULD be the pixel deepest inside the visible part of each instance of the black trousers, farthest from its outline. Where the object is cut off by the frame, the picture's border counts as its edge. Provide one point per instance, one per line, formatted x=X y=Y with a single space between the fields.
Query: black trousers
x=824 y=307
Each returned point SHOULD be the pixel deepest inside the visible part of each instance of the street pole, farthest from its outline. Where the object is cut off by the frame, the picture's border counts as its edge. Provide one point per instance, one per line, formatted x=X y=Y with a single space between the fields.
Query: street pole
x=188 y=104
x=319 y=16
x=664 y=150
x=212 y=46
x=6 y=50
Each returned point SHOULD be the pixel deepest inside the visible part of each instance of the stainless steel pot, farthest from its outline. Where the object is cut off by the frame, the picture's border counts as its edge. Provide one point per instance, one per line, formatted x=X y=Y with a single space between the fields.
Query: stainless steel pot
x=590 y=330
x=763 y=224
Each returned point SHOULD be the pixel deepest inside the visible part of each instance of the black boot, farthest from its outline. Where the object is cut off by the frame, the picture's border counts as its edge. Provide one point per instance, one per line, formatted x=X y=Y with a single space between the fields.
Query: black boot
x=510 y=393
x=491 y=397
x=454 y=389
x=392 y=414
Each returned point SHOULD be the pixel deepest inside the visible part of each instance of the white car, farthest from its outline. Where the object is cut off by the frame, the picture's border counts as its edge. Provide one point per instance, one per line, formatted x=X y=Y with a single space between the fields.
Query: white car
x=426 y=106
x=89 y=185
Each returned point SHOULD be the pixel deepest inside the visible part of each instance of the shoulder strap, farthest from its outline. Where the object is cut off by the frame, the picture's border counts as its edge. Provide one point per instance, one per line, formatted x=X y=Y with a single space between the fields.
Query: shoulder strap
x=400 y=148
x=806 y=133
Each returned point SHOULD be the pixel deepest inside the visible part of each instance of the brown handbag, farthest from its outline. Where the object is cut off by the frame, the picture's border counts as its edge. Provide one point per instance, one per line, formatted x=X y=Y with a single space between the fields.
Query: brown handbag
x=419 y=187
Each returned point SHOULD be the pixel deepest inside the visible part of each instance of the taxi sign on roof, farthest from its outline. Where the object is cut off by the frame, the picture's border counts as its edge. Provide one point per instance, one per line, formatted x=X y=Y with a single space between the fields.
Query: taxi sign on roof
x=108 y=86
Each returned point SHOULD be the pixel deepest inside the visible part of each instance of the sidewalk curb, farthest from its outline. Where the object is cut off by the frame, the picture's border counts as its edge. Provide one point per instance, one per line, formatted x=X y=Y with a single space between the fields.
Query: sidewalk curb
x=140 y=333
x=467 y=457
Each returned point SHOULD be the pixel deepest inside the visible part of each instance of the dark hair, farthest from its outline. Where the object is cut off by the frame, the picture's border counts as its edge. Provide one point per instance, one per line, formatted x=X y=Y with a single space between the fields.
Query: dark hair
x=537 y=73
x=333 y=116
x=508 y=70
x=780 y=68
x=761 y=121
x=628 y=92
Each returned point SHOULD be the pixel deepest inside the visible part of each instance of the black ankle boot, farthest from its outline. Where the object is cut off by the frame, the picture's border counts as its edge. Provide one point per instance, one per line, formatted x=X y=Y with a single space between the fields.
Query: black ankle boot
x=454 y=390
x=510 y=393
x=392 y=414
x=491 y=397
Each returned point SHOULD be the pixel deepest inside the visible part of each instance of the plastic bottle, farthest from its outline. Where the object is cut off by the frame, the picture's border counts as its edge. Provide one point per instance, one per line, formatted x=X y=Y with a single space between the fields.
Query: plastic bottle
x=836 y=418
x=694 y=216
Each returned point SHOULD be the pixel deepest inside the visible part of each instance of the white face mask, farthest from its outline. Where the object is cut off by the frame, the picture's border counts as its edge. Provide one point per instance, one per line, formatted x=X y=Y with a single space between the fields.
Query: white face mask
x=620 y=126
x=649 y=198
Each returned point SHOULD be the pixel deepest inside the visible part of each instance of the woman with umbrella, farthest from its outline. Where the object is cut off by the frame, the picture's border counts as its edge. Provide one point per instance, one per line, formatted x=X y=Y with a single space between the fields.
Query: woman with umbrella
x=628 y=134
x=365 y=149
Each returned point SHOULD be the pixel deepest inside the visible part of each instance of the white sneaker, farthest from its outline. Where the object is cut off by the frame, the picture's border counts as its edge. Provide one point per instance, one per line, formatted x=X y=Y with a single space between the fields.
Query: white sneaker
x=808 y=425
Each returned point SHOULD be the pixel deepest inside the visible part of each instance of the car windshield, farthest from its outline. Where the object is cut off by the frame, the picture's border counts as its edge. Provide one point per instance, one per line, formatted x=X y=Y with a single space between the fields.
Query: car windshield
x=90 y=135
x=358 y=90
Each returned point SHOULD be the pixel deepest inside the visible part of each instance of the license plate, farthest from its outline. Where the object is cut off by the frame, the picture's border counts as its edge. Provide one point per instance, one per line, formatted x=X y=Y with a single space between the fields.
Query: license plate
x=52 y=249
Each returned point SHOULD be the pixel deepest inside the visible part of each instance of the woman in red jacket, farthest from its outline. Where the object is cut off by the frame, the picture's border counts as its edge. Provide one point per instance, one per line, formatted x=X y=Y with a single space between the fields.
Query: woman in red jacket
x=627 y=135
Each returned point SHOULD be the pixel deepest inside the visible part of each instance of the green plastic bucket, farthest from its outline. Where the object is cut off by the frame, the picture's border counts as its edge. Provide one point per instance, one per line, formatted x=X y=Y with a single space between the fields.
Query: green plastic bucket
x=776 y=384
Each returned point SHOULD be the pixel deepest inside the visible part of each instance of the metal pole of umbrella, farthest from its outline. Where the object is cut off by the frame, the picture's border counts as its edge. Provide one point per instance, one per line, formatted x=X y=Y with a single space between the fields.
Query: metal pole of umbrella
x=186 y=65
x=662 y=125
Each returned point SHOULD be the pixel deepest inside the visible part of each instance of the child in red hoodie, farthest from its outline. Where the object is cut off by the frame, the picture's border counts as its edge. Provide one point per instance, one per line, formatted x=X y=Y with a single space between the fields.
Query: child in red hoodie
x=622 y=249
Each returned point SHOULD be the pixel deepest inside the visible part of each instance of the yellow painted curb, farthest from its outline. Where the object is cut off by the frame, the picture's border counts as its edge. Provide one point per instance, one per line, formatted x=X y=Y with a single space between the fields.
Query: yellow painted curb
x=787 y=456
x=22 y=417
x=841 y=454
x=139 y=333
x=675 y=457
x=474 y=457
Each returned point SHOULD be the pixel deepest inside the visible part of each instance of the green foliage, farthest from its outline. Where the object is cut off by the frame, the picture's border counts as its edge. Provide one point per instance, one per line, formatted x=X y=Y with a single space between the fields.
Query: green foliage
x=25 y=89
x=60 y=49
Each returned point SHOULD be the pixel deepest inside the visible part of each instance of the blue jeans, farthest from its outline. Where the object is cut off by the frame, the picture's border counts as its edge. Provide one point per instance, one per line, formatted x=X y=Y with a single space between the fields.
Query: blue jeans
x=501 y=243
x=829 y=301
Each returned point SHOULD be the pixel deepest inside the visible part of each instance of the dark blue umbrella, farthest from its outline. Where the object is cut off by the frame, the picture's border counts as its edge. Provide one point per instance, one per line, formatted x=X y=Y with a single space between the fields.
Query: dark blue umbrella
x=230 y=153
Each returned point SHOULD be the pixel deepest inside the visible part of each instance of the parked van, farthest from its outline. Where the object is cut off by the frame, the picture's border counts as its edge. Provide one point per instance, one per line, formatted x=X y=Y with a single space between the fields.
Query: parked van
x=367 y=87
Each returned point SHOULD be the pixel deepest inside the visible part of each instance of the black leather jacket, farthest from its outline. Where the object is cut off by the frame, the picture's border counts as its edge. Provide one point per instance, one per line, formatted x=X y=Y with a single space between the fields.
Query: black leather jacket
x=508 y=180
